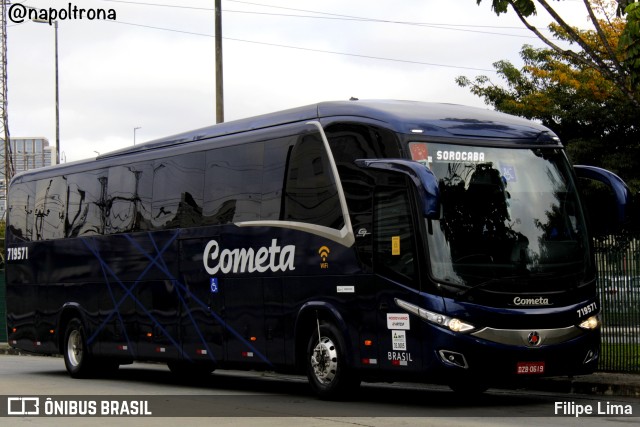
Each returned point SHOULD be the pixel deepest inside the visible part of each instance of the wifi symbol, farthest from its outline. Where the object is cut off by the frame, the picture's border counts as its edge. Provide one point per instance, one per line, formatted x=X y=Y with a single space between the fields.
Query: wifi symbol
x=324 y=253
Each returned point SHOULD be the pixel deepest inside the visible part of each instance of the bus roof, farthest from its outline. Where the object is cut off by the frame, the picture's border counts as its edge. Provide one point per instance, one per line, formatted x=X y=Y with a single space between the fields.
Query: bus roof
x=409 y=117
x=405 y=117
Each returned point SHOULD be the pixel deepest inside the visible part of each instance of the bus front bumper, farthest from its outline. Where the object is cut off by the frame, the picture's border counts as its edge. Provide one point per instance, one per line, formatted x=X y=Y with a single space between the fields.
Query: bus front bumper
x=507 y=355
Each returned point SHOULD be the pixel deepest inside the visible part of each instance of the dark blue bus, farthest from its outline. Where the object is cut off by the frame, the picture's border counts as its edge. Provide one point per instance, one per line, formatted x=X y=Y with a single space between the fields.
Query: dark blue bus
x=354 y=241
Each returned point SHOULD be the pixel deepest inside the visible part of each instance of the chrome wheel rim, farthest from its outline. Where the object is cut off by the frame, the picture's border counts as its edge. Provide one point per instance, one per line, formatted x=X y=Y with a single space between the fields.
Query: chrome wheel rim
x=74 y=348
x=324 y=360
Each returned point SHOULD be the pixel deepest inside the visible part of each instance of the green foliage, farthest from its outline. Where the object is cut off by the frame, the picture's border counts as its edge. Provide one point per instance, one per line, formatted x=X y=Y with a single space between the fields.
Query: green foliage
x=594 y=119
x=527 y=7
x=623 y=4
x=621 y=64
x=589 y=96
x=630 y=41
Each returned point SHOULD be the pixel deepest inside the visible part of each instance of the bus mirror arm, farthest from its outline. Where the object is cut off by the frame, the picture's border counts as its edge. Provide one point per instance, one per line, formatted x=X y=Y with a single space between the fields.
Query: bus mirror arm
x=422 y=178
x=620 y=189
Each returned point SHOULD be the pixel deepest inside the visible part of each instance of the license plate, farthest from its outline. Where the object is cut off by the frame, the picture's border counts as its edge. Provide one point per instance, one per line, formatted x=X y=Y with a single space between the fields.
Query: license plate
x=530 y=368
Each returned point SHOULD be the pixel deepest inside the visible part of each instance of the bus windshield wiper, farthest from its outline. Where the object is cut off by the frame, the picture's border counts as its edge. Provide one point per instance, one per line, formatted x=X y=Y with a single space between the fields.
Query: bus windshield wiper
x=526 y=276
x=482 y=285
x=493 y=280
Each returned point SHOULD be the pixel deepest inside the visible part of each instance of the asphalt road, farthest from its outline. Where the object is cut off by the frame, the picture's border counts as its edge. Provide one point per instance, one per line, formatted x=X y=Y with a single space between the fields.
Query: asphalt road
x=253 y=398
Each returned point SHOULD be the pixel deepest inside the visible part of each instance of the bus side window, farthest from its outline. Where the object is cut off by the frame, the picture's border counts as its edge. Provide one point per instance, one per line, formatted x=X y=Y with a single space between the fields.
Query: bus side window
x=232 y=184
x=393 y=234
x=50 y=208
x=129 y=206
x=178 y=188
x=276 y=158
x=21 y=207
x=351 y=141
x=310 y=193
x=85 y=210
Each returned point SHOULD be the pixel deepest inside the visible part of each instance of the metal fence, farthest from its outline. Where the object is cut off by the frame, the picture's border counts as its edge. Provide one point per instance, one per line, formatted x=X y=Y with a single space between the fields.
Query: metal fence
x=618 y=262
x=3 y=309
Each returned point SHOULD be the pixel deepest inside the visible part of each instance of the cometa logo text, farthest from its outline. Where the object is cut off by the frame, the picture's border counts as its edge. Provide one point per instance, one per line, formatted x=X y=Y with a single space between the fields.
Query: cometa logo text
x=273 y=258
x=531 y=301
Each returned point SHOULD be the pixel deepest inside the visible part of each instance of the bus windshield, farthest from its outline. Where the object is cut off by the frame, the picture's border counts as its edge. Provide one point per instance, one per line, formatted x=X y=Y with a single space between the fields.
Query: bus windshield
x=509 y=215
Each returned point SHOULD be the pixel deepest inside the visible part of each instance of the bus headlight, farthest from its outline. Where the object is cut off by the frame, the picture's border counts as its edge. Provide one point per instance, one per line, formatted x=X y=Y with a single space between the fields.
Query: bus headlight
x=591 y=323
x=459 y=326
x=455 y=325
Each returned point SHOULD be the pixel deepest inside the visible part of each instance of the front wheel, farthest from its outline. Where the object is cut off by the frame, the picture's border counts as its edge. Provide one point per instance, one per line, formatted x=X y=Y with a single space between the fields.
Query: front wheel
x=327 y=368
x=77 y=359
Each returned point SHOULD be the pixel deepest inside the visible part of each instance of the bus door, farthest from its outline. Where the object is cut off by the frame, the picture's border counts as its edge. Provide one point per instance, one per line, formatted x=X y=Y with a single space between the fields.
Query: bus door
x=396 y=267
x=201 y=324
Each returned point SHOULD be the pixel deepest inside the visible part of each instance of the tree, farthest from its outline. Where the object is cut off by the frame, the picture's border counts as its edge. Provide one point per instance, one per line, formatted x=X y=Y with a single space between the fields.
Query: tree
x=619 y=64
x=592 y=114
x=630 y=41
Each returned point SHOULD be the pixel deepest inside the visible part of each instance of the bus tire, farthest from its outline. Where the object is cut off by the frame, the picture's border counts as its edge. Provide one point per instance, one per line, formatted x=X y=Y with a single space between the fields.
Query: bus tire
x=329 y=374
x=77 y=359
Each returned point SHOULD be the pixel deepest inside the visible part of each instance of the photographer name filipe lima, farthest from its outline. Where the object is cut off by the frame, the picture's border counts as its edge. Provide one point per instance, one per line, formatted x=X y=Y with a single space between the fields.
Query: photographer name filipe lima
x=18 y=13
x=601 y=408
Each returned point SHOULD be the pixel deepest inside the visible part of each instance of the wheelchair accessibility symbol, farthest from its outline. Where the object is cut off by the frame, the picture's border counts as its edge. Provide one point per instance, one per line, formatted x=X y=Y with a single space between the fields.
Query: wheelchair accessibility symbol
x=214 y=285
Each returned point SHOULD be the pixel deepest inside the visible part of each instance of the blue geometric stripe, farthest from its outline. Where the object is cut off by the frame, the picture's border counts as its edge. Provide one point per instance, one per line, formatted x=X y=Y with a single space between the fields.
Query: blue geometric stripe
x=129 y=294
x=157 y=260
x=219 y=319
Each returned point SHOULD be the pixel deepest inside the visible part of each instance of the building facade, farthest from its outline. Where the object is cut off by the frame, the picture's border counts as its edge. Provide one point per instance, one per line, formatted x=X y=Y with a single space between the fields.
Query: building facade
x=27 y=153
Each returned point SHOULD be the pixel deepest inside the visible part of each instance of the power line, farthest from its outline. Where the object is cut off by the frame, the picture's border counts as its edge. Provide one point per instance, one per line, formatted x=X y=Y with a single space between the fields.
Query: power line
x=305 y=48
x=341 y=17
x=335 y=16
x=138 y=3
x=451 y=27
x=359 y=18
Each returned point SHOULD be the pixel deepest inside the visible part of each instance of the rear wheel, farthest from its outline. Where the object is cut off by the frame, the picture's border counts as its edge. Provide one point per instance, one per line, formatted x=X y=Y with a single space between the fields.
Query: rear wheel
x=327 y=368
x=77 y=360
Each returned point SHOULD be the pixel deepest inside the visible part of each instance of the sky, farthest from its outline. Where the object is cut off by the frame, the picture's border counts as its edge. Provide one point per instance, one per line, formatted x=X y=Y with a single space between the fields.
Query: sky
x=150 y=72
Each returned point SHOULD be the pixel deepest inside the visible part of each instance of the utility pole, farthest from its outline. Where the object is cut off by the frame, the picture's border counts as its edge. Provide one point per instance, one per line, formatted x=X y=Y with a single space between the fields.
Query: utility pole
x=57 y=82
x=219 y=85
x=57 y=98
x=4 y=120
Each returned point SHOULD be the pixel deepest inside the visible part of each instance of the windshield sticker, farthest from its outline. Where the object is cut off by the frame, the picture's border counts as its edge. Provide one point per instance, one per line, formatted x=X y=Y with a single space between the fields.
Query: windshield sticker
x=459 y=156
x=398 y=321
x=420 y=153
x=395 y=245
x=399 y=340
x=508 y=172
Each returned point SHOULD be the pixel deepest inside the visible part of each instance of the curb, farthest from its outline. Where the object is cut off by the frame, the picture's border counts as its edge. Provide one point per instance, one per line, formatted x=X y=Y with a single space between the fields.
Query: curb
x=6 y=349
x=599 y=383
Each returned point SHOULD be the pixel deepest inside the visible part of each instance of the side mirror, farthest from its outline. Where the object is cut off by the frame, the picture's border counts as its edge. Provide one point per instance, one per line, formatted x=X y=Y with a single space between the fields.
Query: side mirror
x=423 y=179
x=608 y=210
